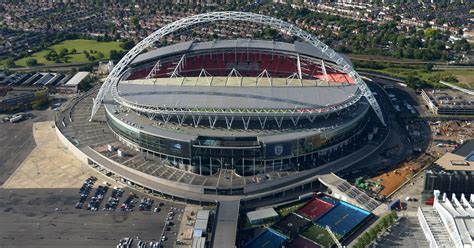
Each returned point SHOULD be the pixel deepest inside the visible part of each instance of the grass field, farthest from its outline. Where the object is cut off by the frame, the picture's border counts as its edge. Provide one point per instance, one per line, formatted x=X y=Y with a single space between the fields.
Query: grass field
x=80 y=45
x=465 y=77
x=319 y=235
x=289 y=208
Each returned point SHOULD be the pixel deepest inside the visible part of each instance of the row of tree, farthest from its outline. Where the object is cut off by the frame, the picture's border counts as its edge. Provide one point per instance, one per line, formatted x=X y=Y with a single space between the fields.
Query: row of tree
x=369 y=236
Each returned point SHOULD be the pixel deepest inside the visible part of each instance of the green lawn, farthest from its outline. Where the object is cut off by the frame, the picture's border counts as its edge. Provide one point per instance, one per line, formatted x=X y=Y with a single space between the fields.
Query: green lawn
x=319 y=235
x=80 y=45
x=465 y=77
x=289 y=208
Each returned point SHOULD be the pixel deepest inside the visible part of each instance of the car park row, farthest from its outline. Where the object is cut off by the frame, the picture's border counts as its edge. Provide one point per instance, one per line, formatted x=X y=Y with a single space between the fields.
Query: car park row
x=127 y=243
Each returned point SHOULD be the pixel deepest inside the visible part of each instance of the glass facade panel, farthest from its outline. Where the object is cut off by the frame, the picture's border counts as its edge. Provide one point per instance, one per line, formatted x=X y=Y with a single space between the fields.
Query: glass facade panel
x=246 y=155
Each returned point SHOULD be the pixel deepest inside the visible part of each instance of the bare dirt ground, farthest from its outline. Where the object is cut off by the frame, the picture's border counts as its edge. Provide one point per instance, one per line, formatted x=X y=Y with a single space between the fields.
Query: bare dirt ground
x=393 y=179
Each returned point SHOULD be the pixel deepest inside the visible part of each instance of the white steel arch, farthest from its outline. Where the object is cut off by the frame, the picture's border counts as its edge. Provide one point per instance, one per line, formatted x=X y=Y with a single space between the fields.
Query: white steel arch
x=114 y=77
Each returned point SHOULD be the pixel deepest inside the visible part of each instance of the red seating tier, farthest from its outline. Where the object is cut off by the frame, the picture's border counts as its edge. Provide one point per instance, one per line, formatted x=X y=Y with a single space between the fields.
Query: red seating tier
x=220 y=64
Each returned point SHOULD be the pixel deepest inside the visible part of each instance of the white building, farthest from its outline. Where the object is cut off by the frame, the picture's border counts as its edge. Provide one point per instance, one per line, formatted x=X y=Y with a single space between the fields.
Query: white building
x=72 y=86
x=262 y=215
x=449 y=223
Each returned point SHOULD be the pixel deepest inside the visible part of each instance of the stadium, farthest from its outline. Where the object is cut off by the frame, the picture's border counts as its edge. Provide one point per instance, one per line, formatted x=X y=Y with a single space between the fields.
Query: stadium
x=246 y=118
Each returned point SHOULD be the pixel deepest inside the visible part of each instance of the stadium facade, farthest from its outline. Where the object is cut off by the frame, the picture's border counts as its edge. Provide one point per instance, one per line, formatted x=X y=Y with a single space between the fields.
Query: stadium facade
x=255 y=114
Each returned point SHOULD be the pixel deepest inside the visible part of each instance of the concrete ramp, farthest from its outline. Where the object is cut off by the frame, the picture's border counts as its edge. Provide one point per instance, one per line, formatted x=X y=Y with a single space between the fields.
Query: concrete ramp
x=225 y=229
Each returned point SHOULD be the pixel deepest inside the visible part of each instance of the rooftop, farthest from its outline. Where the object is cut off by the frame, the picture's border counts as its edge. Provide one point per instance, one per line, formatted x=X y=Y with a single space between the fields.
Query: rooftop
x=187 y=96
x=8 y=92
x=459 y=160
x=261 y=214
x=74 y=81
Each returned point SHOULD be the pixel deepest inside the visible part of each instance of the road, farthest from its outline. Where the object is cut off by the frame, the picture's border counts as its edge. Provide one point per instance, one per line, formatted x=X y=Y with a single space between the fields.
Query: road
x=377 y=163
x=408 y=232
x=55 y=67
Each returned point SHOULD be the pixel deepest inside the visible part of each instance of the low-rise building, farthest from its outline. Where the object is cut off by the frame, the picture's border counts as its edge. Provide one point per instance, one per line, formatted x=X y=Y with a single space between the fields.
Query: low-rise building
x=448 y=102
x=72 y=86
x=262 y=216
x=21 y=98
x=453 y=173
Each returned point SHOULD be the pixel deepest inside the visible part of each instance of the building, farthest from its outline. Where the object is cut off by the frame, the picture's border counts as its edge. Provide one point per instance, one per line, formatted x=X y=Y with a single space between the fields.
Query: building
x=262 y=216
x=72 y=85
x=238 y=123
x=202 y=220
x=453 y=173
x=450 y=222
x=22 y=98
x=200 y=230
x=239 y=120
x=448 y=102
x=221 y=109
x=199 y=242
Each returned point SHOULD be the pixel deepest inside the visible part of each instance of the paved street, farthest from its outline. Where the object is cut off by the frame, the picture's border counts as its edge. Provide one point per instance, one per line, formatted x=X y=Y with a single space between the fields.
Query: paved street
x=407 y=233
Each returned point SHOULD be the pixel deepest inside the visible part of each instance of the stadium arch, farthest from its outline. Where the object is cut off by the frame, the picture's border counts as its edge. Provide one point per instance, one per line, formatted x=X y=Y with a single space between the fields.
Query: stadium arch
x=113 y=78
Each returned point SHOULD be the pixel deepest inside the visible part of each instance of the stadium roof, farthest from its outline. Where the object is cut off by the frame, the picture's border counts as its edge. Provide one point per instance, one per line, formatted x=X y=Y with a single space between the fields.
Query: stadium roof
x=191 y=133
x=190 y=46
x=237 y=97
x=74 y=81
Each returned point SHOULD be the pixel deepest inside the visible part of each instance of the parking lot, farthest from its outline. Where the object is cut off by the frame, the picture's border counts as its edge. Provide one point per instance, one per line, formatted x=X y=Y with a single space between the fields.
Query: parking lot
x=16 y=141
x=49 y=218
x=12 y=137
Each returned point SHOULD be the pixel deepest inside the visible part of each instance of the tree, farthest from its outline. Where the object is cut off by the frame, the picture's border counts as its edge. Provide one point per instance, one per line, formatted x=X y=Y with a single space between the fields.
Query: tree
x=73 y=51
x=51 y=55
x=127 y=45
x=115 y=55
x=134 y=20
x=100 y=55
x=86 y=84
x=63 y=52
x=31 y=62
x=428 y=67
x=10 y=63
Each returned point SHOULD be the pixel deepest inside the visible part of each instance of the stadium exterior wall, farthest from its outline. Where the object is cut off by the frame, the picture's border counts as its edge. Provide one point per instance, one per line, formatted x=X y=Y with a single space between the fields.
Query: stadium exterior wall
x=70 y=146
x=256 y=163
x=179 y=191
